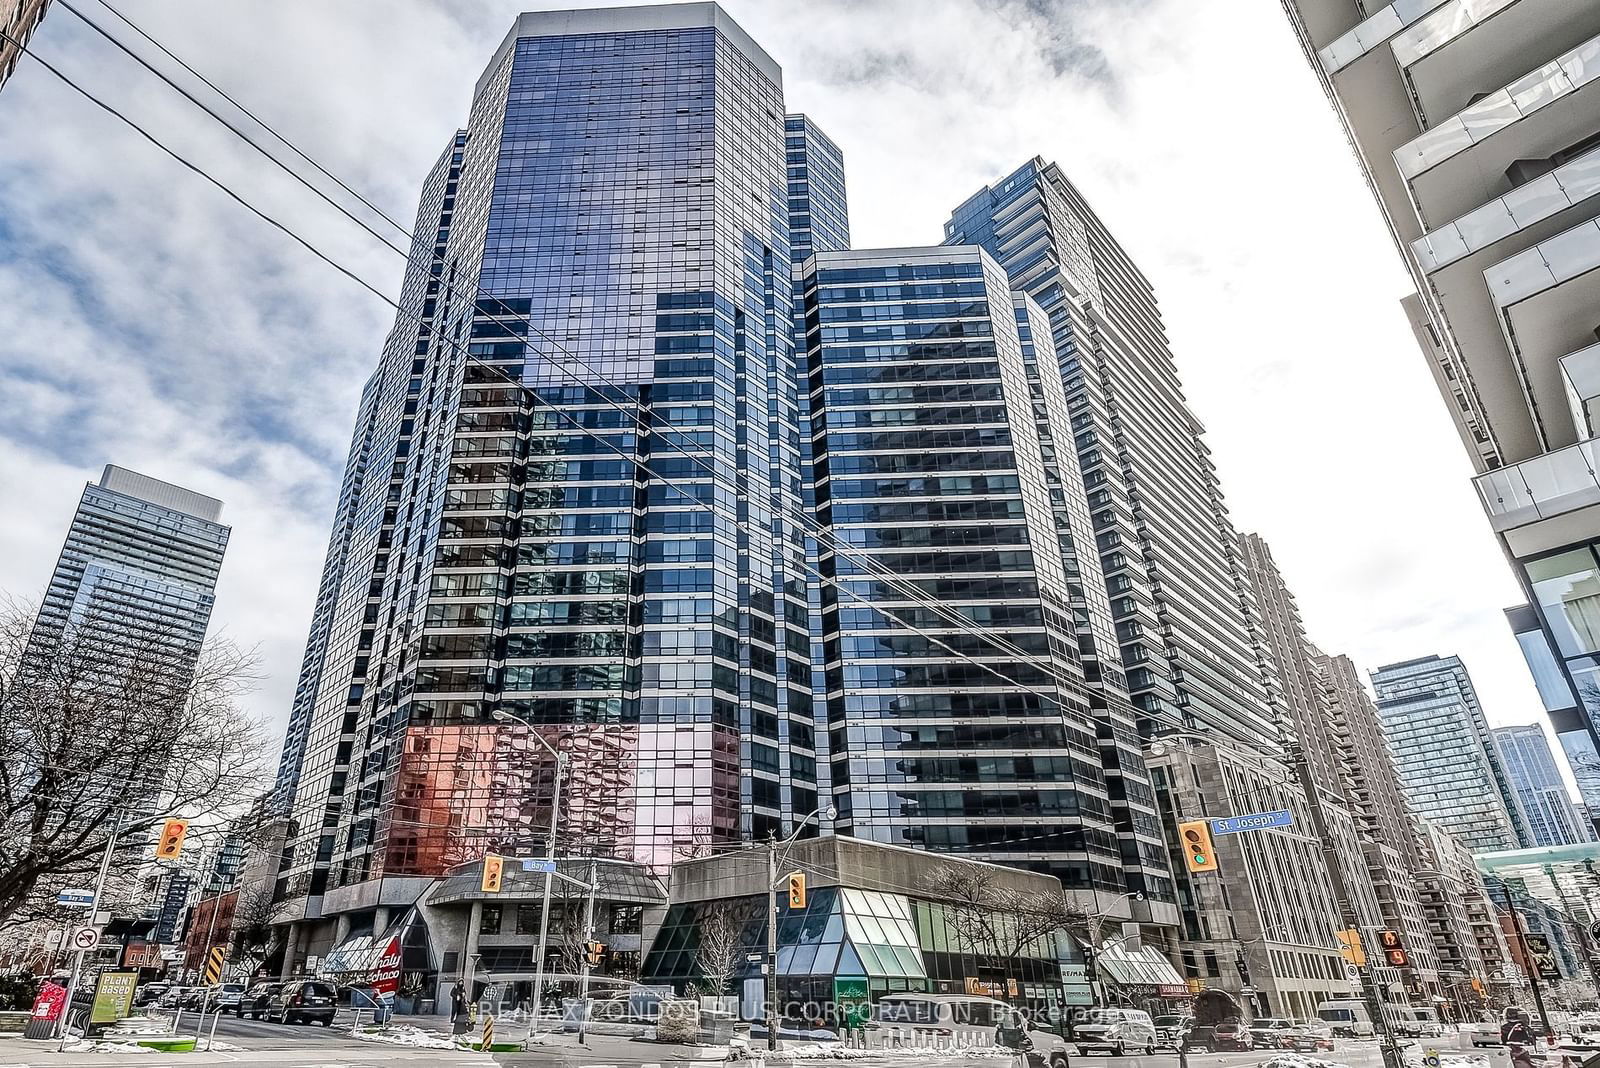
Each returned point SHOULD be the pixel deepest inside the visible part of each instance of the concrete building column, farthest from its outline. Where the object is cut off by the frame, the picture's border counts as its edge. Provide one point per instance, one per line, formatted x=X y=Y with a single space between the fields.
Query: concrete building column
x=380 y=920
x=291 y=950
x=341 y=928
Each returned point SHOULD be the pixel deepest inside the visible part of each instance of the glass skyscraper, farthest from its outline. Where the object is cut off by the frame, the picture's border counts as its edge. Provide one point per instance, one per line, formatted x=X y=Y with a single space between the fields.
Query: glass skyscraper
x=138 y=569
x=1552 y=817
x=1450 y=770
x=1181 y=612
x=572 y=491
x=930 y=464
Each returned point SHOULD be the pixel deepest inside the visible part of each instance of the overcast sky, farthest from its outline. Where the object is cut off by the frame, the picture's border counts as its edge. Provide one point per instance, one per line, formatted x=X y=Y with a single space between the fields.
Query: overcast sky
x=146 y=320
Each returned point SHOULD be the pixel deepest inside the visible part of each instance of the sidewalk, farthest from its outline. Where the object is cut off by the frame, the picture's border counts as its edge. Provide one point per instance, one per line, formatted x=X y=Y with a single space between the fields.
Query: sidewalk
x=18 y=1052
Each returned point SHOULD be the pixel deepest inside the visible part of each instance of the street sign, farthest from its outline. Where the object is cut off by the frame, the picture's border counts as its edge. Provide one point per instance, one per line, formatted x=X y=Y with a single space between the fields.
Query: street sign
x=85 y=938
x=547 y=867
x=1352 y=973
x=1256 y=821
x=1430 y=1058
x=1594 y=929
x=76 y=899
x=215 y=960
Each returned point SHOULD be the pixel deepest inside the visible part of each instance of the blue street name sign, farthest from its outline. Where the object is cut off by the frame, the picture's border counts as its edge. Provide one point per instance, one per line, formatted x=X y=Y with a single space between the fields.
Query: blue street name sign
x=539 y=866
x=1256 y=821
x=75 y=898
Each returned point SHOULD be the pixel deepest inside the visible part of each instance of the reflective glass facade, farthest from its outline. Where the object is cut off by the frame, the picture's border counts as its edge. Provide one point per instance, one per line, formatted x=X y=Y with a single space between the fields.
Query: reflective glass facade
x=1531 y=766
x=139 y=567
x=929 y=465
x=610 y=553
x=1182 y=609
x=1450 y=770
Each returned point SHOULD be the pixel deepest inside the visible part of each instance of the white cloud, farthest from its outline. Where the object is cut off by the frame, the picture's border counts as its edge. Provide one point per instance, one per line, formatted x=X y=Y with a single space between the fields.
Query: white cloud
x=148 y=321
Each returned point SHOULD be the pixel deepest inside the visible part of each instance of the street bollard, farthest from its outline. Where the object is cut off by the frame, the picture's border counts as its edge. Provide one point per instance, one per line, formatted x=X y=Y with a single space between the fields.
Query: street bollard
x=212 y=1037
x=488 y=1033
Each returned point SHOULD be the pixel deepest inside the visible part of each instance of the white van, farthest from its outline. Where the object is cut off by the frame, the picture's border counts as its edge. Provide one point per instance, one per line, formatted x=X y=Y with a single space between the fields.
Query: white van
x=1347 y=1017
x=1116 y=1031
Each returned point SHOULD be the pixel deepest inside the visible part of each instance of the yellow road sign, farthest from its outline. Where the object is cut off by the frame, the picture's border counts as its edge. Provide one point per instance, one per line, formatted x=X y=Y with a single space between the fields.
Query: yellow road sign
x=214 y=962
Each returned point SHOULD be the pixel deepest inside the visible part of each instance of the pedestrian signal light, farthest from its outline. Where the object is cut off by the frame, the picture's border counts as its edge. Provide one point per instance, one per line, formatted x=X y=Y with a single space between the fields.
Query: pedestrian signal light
x=493 y=868
x=797 y=889
x=1196 y=838
x=170 y=845
x=1394 y=949
x=596 y=952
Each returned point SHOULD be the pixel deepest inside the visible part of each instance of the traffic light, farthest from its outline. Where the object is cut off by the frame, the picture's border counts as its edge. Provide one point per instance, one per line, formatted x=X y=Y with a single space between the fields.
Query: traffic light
x=1394 y=949
x=1350 y=947
x=595 y=952
x=170 y=845
x=493 y=867
x=1196 y=838
x=797 y=889
x=1243 y=968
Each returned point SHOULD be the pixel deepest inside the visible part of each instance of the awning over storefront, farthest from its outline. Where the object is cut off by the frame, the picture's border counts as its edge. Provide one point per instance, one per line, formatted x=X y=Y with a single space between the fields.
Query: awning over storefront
x=1142 y=967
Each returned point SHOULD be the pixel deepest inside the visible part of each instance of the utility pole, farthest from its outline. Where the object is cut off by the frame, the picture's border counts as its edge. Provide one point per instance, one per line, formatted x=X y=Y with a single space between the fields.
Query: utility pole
x=772 y=940
x=77 y=957
x=1527 y=956
x=1584 y=945
x=588 y=938
x=1347 y=911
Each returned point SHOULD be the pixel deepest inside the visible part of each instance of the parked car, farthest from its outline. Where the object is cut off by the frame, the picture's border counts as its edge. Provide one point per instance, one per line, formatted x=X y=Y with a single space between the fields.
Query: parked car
x=1046 y=1049
x=1485 y=1034
x=303 y=1001
x=1170 y=1029
x=254 y=1001
x=1266 y=1030
x=1307 y=1038
x=227 y=996
x=150 y=993
x=1231 y=1036
x=1116 y=1031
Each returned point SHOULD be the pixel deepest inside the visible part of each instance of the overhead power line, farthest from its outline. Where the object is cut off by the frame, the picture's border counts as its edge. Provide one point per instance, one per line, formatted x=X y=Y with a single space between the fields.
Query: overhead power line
x=868 y=564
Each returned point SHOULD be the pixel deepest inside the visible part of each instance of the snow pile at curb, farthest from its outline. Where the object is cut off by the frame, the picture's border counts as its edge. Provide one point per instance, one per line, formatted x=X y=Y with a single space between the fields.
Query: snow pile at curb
x=819 y=1051
x=1447 y=1058
x=81 y=1046
x=1296 y=1060
x=406 y=1035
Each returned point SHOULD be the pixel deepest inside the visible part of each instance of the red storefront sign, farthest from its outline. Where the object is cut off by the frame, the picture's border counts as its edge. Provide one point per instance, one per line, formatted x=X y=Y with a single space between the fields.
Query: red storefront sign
x=51 y=1000
x=387 y=982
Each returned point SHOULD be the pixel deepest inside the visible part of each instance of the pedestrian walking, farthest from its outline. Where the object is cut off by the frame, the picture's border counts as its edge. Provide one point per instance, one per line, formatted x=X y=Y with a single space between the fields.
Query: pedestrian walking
x=458 y=1003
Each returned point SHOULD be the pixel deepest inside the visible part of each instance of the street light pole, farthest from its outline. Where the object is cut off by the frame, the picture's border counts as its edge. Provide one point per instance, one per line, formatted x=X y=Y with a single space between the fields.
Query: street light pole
x=99 y=892
x=550 y=861
x=1347 y=911
x=588 y=937
x=1527 y=957
x=772 y=918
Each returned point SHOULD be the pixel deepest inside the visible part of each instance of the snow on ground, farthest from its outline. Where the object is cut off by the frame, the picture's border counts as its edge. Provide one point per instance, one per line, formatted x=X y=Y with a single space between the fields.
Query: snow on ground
x=833 y=1051
x=1300 y=1060
x=406 y=1035
x=82 y=1046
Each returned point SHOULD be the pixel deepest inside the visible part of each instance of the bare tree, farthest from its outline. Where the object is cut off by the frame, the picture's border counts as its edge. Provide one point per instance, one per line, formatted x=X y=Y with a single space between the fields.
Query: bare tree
x=102 y=722
x=998 y=920
x=721 y=946
x=251 y=936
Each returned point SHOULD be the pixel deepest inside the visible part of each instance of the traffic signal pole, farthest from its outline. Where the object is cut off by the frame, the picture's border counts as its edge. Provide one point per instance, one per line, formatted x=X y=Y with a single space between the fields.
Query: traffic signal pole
x=1532 y=966
x=1387 y=1046
x=588 y=937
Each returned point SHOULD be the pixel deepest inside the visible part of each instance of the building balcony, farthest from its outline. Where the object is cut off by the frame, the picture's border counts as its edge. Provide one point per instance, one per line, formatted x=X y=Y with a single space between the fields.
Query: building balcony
x=1468 y=159
x=1580 y=373
x=1546 y=502
x=1373 y=31
x=1464 y=48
